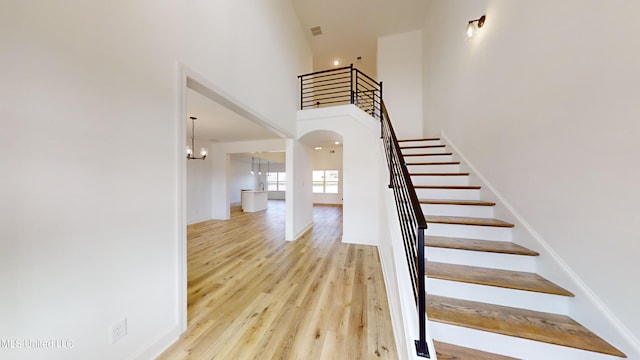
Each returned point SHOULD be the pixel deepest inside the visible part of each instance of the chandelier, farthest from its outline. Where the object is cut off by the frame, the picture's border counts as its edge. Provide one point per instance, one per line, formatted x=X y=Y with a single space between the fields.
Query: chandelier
x=203 y=150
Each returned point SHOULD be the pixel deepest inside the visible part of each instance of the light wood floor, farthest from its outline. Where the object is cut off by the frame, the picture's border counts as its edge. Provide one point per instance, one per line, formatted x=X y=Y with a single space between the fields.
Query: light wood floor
x=252 y=295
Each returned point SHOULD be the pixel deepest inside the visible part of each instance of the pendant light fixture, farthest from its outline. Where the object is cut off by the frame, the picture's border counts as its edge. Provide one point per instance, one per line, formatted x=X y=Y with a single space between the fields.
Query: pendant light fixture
x=252 y=173
x=259 y=166
x=203 y=151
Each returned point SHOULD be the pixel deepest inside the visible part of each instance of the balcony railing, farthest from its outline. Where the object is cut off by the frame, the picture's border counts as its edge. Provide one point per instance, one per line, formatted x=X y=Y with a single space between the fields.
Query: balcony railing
x=341 y=86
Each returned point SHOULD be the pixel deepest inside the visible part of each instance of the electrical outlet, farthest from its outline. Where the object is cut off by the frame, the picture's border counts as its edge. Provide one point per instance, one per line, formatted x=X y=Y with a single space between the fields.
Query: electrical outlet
x=118 y=331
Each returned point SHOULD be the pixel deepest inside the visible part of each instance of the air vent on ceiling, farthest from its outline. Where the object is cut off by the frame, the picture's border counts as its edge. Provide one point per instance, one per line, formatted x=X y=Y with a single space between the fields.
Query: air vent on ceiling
x=315 y=31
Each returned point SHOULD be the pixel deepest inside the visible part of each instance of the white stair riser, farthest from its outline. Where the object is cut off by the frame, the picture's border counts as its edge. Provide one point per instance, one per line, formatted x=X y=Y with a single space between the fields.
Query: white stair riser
x=499 y=296
x=481 y=259
x=458 y=180
x=449 y=194
x=437 y=150
x=458 y=210
x=428 y=158
x=433 y=168
x=509 y=345
x=469 y=231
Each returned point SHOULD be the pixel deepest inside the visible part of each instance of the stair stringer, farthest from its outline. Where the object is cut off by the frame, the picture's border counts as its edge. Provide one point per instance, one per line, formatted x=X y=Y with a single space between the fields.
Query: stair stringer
x=586 y=307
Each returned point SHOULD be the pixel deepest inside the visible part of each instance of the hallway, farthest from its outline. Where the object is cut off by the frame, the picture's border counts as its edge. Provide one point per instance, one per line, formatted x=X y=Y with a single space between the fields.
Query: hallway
x=253 y=295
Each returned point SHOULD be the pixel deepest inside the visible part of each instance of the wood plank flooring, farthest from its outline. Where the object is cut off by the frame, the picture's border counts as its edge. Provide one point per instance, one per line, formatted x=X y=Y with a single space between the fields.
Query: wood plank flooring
x=253 y=295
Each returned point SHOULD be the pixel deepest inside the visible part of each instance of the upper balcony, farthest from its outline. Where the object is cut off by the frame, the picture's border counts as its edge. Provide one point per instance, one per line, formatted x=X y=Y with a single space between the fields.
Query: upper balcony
x=341 y=86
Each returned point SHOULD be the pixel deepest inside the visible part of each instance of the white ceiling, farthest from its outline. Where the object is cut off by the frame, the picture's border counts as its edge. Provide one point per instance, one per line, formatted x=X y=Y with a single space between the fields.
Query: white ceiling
x=217 y=123
x=350 y=29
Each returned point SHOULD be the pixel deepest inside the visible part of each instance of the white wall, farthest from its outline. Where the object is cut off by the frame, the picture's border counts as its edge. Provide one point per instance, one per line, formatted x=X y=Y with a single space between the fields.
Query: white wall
x=199 y=188
x=260 y=70
x=361 y=183
x=91 y=162
x=400 y=70
x=299 y=206
x=325 y=159
x=544 y=103
x=240 y=178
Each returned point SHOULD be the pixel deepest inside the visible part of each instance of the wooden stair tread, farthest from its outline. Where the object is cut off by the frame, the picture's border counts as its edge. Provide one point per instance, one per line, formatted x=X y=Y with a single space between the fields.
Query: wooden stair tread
x=518 y=280
x=429 y=154
x=457 y=202
x=502 y=247
x=439 y=174
x=449 y=187
x=421 y=147
x=425 y=139
x=461 y=220
x=435 y=163
x=527 y=324
x=446 y=351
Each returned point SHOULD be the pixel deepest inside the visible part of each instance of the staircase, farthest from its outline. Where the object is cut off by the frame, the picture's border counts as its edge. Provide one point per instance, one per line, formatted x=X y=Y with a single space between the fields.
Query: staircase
x=483 y=292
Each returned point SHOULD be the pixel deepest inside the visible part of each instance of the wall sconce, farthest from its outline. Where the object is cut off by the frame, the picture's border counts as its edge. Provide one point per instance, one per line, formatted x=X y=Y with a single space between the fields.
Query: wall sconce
x=474 y=25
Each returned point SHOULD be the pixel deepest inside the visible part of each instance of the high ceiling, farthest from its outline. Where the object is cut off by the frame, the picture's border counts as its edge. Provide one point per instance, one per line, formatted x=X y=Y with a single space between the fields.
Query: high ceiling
x=350 y=29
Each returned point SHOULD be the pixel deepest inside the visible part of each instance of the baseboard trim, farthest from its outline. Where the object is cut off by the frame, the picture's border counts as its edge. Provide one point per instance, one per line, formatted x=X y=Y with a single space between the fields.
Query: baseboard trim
x=303 y=232
x=191 y=222
x=160 y=345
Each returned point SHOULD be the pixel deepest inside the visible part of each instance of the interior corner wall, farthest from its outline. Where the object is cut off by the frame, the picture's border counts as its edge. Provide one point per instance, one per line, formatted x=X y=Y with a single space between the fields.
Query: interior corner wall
x=90 y=208
x=544 y=103
x=400 y=70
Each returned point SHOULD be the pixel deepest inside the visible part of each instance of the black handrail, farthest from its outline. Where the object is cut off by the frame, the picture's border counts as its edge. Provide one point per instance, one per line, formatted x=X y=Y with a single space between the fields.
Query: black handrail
x=412 y=223
x=345 y=85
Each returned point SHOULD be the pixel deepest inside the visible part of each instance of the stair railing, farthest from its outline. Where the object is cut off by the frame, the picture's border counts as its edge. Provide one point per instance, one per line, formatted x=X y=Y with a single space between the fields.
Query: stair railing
x=341 y=86
x=412 y=223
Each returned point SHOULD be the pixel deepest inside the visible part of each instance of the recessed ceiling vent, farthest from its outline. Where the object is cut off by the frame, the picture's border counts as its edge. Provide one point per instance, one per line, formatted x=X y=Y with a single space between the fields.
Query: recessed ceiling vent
x=315 y=31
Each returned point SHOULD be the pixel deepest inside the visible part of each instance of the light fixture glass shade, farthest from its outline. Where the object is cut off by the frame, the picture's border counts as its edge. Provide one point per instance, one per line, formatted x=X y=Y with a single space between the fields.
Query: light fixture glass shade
x=471 y=30
x=190 y=148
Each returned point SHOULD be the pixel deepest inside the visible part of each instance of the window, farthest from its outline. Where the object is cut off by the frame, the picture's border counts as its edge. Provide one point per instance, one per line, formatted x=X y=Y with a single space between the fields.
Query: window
x=325 y=181
x=276 y=181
